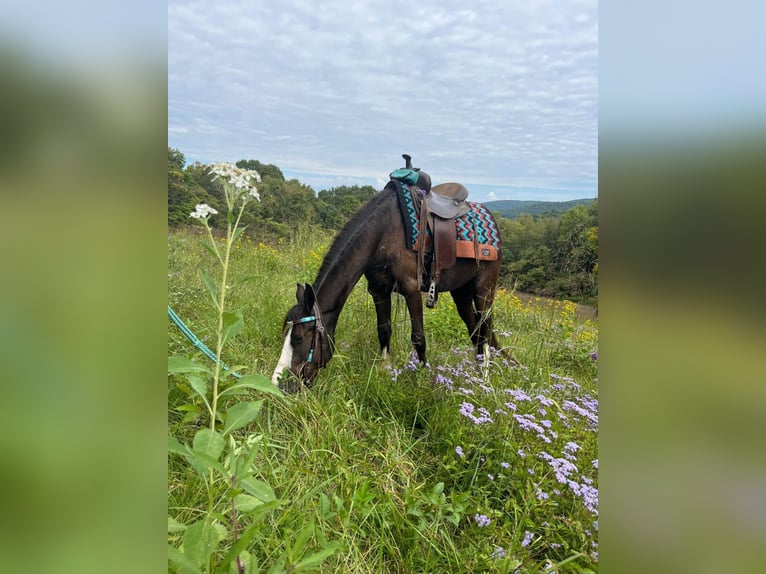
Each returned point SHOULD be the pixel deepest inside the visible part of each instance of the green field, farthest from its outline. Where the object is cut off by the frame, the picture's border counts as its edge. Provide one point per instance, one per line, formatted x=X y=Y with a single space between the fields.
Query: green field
x=448 y=467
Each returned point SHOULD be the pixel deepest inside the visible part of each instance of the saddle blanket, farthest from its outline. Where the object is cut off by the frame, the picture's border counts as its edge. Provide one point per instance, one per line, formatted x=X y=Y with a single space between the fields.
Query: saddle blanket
x=478 y=222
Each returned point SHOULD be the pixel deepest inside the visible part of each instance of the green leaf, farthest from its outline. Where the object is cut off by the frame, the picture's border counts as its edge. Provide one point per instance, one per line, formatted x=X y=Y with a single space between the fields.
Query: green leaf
x=246 y=278
x=209 y=248
x=175 y=526
x=237 y=232
x=240 y=544
x=202 y=462
x=241 y=415
x=177 y=447
x=302 y=539
x=232 y=324
x=209 y=442
x=242 y=466
x=246 y=503
x=257 y=488
x=200 y=540
x=211 y=287
x=220 y=531
x=181 y=560
x=257 y=382
x=184 y=365
x=199 y=385
x=313 y=560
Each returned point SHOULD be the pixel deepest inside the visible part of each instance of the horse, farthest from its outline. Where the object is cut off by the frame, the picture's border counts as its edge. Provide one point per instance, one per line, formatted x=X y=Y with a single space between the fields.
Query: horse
x=372 y=243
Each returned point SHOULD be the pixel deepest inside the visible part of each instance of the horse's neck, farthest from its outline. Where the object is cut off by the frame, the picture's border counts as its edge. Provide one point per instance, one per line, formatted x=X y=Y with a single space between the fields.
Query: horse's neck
x=337 y=281
x=345 y=263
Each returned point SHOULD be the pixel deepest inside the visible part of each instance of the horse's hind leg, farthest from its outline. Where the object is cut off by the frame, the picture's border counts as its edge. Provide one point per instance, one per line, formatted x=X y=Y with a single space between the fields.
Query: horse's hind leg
x=463 y=297
x=483 y=300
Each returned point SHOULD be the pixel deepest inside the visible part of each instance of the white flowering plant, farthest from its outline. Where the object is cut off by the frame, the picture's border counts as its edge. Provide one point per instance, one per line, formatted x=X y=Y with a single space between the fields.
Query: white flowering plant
x=238 y=500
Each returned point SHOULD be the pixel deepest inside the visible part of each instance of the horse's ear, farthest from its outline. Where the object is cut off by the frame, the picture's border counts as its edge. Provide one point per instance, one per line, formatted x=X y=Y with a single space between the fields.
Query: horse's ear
x=309 y=297
x=299 y=291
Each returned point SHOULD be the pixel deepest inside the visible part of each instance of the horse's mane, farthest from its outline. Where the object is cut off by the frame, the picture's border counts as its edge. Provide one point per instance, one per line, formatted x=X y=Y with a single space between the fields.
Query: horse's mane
x=349 y=236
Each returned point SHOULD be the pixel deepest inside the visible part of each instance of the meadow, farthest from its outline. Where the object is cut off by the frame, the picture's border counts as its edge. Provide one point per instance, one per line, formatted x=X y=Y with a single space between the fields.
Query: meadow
x=454 y=466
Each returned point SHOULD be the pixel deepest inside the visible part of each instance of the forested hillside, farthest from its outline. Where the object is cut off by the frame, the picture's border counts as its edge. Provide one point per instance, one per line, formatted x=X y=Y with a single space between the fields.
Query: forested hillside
x=552 y=254
x=511 y=208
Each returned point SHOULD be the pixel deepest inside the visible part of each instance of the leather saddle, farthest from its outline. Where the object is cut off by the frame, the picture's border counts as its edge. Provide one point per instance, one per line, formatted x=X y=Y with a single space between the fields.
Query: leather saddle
x=438 y=208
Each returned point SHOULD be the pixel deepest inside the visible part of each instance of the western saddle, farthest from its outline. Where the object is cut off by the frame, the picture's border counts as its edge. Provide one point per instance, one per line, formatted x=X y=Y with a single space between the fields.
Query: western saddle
x=438 y=207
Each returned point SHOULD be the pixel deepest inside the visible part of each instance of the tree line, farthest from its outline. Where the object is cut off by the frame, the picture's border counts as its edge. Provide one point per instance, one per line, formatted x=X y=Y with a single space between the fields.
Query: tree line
x=554 y=255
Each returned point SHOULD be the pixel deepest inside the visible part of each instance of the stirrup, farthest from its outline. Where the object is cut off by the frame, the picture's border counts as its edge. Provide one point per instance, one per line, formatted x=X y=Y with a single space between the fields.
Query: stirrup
x=432 y=295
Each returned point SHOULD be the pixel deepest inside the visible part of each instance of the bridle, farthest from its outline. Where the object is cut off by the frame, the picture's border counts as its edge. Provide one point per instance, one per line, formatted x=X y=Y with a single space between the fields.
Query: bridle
x=316 y=353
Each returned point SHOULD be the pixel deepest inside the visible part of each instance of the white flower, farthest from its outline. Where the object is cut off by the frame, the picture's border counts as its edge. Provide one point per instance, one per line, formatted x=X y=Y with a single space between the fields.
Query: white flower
x=237 y=177
x=202 y=211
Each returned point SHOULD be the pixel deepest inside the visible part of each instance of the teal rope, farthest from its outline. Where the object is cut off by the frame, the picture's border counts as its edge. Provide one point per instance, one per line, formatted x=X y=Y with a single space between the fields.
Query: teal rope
x=197 y=343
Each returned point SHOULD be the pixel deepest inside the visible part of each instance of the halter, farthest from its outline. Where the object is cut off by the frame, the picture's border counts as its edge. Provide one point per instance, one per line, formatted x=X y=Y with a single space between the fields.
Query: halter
x=320 y=336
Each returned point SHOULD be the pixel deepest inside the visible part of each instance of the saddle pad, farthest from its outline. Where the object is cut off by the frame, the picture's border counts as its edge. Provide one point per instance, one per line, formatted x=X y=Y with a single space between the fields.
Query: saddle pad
x=478 y=218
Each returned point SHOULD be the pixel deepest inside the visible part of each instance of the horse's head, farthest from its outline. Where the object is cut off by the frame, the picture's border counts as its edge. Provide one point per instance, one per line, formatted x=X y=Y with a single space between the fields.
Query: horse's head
x=306 y=348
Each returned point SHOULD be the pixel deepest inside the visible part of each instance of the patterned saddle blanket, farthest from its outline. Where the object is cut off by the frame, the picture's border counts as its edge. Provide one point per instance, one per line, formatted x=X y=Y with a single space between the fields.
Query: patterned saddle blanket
x=475 y=232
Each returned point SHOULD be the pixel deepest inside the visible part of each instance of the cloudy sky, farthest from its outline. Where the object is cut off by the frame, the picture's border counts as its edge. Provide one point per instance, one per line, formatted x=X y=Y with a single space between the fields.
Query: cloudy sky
x=501 y=96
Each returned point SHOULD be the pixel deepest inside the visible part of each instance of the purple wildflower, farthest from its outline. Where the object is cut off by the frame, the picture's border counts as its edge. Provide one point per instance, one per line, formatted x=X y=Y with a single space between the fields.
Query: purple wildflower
x=498 y=553
x=459 y=450
x=571 y=447
x=482 y=520
x=546 y=402
x=518 y=394
x=594 y=355
x=526 y=423
x=527 y=539
x=467 y=410
x=491 y=476
x=445 y=381
x=504 y=464
x=521 y=453
x=590 y=498
x=562 y=469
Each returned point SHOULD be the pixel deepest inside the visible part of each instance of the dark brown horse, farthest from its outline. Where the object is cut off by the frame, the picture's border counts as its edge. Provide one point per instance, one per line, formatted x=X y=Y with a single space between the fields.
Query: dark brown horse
x=372 y=244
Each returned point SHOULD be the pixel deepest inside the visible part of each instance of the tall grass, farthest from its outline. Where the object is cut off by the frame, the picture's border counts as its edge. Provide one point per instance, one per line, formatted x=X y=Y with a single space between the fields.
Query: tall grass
x=450 y=467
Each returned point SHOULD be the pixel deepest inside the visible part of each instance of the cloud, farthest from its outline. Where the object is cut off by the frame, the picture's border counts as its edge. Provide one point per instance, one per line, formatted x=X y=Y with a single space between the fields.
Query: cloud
x=490 y=92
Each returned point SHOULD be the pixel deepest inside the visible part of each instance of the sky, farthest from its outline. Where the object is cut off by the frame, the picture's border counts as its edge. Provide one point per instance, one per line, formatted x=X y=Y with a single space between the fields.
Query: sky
x=499 y=96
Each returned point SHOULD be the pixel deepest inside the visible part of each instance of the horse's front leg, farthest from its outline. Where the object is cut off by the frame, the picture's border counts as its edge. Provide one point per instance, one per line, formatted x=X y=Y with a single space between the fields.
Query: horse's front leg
x=415 y=306
x=382 y=302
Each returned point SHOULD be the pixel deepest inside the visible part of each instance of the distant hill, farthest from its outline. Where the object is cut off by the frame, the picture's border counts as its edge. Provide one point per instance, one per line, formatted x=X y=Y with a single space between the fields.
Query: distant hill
x=512 y=208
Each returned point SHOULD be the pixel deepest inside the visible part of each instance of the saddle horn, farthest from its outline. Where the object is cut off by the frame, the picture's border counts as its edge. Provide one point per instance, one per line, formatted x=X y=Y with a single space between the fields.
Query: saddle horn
x=424 y=180
x=408 y=162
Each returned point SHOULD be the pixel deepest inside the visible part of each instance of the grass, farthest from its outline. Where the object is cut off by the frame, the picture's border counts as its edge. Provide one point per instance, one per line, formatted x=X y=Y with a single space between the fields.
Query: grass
x=369 y=456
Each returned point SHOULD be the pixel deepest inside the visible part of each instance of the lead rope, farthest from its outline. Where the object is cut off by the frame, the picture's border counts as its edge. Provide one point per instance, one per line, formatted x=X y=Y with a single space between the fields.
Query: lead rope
x=197 y=343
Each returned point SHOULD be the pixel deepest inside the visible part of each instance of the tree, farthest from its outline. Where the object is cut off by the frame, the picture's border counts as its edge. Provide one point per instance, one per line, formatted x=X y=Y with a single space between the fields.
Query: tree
x=265 y=170
x=176 y=159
